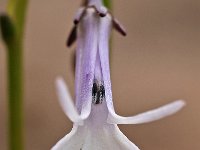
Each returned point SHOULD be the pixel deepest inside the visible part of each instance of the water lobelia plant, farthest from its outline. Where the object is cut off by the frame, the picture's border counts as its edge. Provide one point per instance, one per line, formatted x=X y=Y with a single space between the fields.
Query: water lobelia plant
x=95 y=121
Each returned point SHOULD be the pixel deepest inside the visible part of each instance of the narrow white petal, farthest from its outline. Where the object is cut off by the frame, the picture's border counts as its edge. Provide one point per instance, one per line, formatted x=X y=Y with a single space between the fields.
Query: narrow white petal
x=148 y=116
x=66 y=102
x=72 y=141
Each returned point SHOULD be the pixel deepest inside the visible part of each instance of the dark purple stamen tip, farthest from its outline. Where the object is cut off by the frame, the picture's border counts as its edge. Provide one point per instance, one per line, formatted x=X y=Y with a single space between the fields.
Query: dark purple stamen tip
x=119 y=27
x=72 y=36
x=76 y=21
x=102 y=14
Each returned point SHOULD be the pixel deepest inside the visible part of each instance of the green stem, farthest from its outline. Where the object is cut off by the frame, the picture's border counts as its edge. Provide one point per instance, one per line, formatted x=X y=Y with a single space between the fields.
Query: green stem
x=12 y=26
x=15 y=93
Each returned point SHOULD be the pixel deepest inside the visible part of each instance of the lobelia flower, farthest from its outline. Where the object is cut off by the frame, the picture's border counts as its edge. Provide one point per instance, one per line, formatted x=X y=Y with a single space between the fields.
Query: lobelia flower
x=94 y=118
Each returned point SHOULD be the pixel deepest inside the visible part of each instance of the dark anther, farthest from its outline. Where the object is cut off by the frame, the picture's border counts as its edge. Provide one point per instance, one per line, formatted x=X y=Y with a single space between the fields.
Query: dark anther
x=98 y=93
x=117 y=26
x=94 y=92
x=72 y=36
x=102 y=14
x=101 y=93
x=76 y=21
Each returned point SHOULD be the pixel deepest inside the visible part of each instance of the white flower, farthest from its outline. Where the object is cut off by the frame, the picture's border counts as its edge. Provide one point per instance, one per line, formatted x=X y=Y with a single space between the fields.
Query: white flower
x=99 y=131
x=95 y=121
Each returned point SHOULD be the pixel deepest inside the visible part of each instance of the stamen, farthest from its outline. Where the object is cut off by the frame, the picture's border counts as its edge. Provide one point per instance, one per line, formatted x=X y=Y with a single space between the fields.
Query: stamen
x=101 y=93
x=98 y=92
x=94 y=92
x=72 y=36
x=118 y=26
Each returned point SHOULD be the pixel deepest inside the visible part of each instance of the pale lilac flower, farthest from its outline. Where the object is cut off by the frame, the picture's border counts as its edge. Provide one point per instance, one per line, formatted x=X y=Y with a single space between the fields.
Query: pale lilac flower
x=95 y=121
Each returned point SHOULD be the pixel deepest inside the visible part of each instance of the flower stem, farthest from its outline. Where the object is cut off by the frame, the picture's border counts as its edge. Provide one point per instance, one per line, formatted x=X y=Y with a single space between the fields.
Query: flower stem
x=15 y=95
x=12 y=28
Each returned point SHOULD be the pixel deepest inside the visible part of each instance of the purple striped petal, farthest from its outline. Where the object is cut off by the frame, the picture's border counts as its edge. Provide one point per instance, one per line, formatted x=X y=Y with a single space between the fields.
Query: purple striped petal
x=86 y=52
x=104 y=35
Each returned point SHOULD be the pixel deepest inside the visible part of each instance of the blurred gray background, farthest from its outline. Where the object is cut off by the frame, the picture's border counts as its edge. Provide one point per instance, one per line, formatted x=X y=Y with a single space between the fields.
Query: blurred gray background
x=158 y=62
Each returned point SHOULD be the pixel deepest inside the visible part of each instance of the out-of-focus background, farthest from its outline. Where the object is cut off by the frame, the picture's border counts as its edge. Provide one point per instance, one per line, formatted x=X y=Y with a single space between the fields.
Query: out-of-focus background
x=158 y=62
